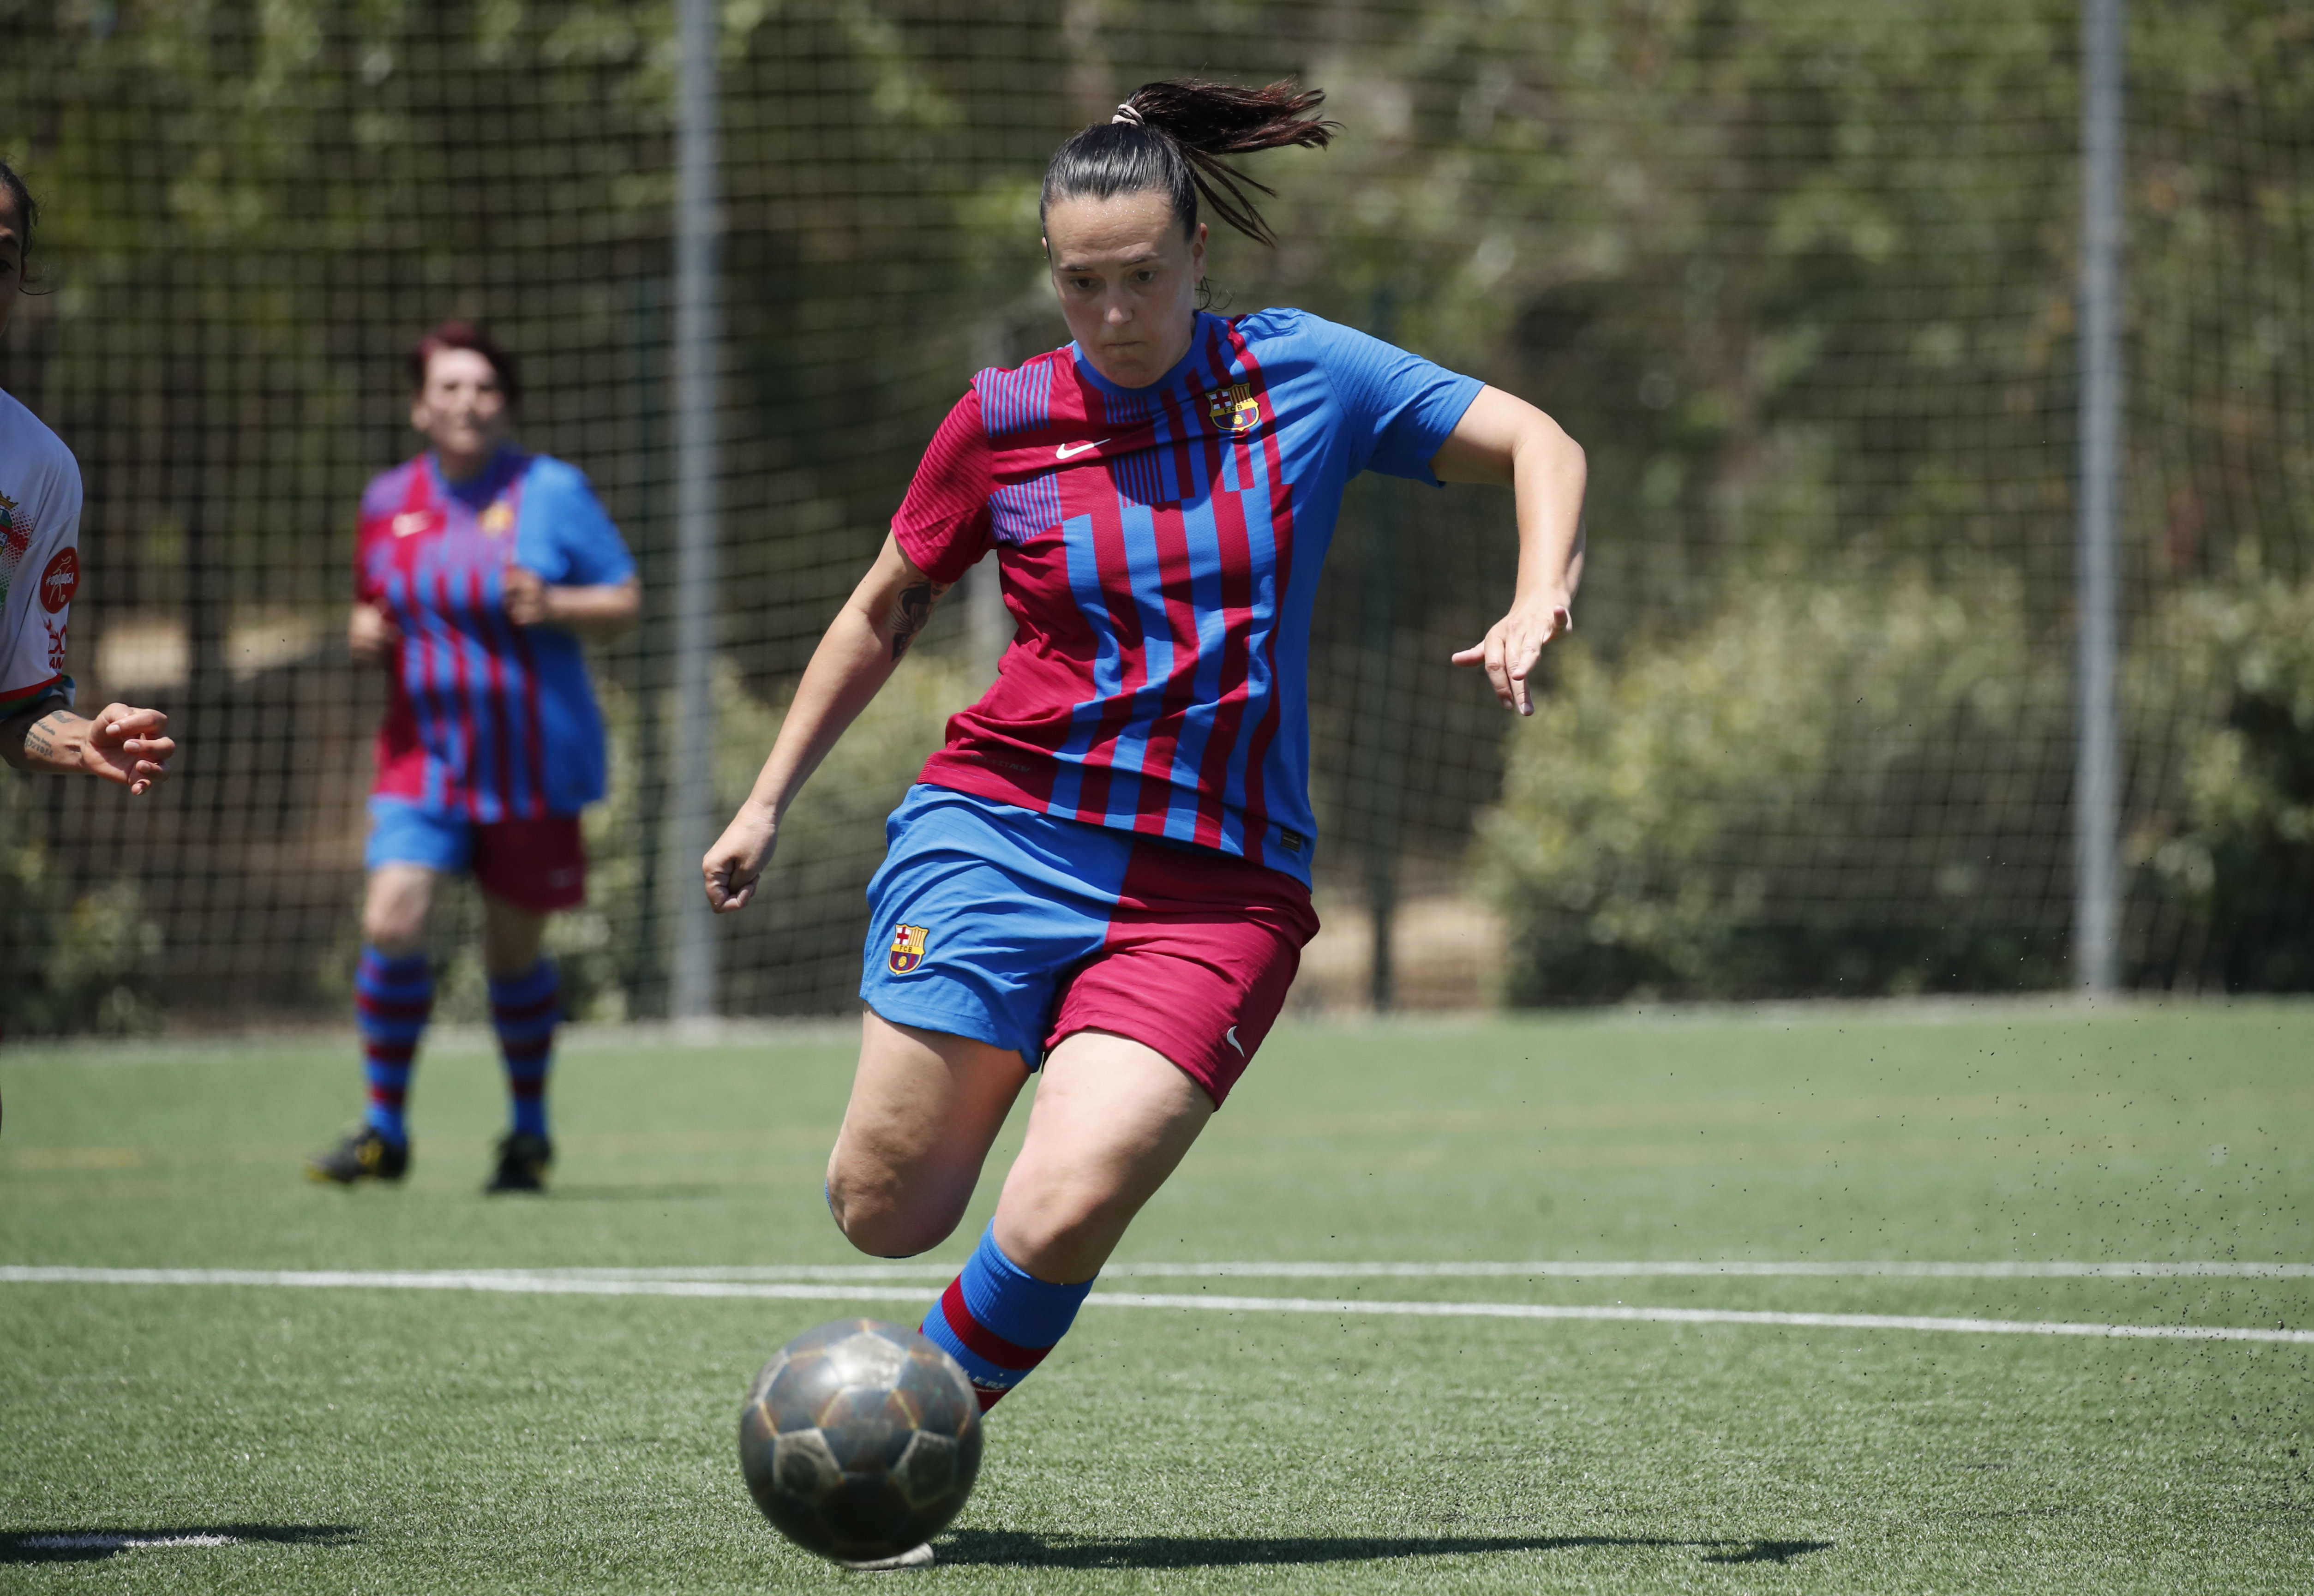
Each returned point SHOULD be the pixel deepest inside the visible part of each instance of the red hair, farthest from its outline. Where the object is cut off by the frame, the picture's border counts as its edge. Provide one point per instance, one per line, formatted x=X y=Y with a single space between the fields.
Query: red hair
x=465 y=335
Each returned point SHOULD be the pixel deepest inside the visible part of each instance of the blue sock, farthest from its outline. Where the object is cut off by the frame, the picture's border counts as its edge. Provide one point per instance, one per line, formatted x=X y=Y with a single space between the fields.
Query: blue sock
x=525 y=1010
x=392 y=999
x=999 y=1321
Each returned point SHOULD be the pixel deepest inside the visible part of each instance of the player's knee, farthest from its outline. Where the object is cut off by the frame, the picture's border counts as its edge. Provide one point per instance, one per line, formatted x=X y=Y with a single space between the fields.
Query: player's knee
x=876 y=1215
x=393 y=909
x=392 y=928
x=882 y=1233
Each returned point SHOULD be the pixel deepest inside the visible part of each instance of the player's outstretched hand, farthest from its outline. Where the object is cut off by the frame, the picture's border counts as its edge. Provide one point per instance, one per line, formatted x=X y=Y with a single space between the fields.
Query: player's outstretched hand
x=126 y=745
x=1515 y=643
x=734 y=865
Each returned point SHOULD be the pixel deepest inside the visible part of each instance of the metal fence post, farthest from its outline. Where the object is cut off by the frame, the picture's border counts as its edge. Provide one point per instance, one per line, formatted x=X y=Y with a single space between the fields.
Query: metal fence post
x=2097 y=904
x=697 y=228
x=1379 y=739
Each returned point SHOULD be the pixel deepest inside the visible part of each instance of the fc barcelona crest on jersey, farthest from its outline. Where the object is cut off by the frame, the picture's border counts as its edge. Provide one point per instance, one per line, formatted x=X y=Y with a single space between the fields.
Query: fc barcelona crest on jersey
x=498 y=520
x=907 y=948
x=1234 y=409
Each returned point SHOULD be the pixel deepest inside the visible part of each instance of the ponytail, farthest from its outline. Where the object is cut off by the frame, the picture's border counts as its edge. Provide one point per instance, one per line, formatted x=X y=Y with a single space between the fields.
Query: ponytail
x=1172 y=137
x=21 y=197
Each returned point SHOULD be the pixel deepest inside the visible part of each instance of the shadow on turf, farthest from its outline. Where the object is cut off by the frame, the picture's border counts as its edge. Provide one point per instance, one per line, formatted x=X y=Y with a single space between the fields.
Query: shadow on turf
x=87 y=1545
x=1004 y=1548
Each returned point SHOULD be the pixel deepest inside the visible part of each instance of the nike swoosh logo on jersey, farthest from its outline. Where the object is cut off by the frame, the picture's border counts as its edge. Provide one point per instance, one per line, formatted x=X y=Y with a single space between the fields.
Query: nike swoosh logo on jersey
x=410 y=521
x=1230 y=1036
x=1070 y=451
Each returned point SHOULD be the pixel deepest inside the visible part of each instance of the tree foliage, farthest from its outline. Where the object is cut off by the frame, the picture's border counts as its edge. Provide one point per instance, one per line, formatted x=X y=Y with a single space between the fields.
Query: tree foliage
x=1798 y=274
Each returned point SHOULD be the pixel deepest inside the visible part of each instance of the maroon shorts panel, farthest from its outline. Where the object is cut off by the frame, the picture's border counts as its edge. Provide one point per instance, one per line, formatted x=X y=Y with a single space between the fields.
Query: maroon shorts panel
x=538 y=865
x=1201 y=951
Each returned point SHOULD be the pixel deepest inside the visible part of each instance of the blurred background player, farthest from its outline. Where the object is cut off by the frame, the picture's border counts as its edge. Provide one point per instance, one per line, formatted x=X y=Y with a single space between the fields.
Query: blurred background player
x=1106 y=869
x=40 y=572
x=480 y=567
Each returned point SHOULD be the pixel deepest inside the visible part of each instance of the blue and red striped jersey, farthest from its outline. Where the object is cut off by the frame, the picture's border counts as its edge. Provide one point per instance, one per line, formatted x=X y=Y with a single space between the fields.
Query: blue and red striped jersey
x=486 y=719
x=1159 y=549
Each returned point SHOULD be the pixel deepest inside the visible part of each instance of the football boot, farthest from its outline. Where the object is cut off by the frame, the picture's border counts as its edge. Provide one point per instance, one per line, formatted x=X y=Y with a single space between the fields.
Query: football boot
x=523 y=1159
x=363 y=1155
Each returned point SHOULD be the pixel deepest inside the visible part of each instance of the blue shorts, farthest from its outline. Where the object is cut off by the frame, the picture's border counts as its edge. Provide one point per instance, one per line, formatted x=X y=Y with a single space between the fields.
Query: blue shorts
x=1018 y=929
x=539 y=864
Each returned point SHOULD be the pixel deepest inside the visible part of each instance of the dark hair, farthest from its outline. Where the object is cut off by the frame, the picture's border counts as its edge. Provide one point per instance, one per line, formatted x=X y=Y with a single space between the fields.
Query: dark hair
x=1170 y=136
x=26 y=211
x=465 y=335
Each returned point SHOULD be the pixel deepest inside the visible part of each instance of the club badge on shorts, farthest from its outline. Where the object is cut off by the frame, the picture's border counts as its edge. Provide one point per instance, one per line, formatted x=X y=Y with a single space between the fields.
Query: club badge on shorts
x=907 y=948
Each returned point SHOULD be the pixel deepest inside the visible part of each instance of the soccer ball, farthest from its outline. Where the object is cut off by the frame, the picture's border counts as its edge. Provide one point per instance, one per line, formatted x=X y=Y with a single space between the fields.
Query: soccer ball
x=860 y=1439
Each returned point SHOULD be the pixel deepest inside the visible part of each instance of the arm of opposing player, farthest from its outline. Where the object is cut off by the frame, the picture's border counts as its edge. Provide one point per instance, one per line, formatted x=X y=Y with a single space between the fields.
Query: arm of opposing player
x=122 y=745
x=371 y=636
x=1503 y=440
x=856 y=657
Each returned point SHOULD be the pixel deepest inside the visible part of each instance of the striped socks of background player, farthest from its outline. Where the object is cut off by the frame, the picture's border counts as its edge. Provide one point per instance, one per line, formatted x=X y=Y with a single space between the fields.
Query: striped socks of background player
x=525 y=1010
x=393 y=998
x=998 y=1321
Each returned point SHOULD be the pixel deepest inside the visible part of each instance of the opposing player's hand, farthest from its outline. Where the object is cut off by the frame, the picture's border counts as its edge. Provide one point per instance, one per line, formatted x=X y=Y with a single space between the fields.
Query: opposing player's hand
x=526 y=601
x=126 y=745
x=736 y=863
x=371 y=636
x=1515 y=643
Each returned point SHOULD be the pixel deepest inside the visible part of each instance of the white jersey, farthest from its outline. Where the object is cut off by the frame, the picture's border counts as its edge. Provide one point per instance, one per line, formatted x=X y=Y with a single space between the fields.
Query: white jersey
x=40 y=557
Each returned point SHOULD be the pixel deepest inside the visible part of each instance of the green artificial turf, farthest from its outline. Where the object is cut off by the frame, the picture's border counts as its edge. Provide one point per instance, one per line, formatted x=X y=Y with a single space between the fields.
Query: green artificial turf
x=401 y=1441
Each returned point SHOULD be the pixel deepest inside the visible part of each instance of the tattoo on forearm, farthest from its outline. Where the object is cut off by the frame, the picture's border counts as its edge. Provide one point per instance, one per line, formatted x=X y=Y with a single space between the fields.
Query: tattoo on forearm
x=40 y=736
x=913 y=614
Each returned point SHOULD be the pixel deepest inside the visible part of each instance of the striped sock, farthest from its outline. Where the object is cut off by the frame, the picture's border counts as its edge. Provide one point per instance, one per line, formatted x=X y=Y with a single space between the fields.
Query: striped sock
x=525 y=1010
x=392 y=1000
x=999 y=1321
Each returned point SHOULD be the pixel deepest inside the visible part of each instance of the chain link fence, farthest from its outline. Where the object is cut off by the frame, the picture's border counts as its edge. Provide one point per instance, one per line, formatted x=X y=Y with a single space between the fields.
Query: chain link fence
x=1799 y=276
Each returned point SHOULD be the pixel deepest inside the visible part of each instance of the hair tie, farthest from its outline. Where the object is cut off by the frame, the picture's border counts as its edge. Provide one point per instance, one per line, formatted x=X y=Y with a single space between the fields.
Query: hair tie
x=1125 y=113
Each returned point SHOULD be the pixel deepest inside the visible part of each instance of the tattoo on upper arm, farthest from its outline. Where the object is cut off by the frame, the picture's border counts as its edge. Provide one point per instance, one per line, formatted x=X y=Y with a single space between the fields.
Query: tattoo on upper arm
x=914 y=613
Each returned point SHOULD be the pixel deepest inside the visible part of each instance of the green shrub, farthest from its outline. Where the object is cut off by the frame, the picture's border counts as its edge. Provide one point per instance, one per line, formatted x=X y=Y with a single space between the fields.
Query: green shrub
x=77 y=958
x=2225 y=843
x=1840 y=788
x=779 y=956
x=776 y=956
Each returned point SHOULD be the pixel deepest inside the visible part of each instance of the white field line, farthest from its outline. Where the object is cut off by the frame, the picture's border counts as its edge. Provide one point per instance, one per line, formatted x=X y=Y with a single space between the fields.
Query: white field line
x=1566 y=1268
x=107 y=1542
x=518 y=1283
x=1578 y=1269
